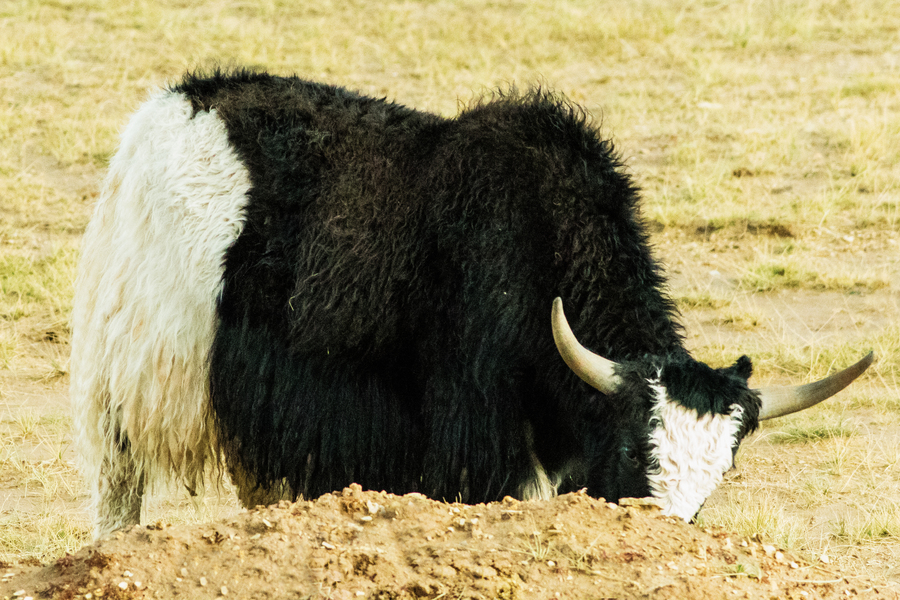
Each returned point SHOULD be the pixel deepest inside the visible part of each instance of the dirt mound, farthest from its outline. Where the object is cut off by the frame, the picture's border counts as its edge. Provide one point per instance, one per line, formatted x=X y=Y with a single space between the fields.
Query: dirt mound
x=357 y=544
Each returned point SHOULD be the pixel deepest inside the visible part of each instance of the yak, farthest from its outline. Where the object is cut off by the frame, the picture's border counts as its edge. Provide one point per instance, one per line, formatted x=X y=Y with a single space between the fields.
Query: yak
x=310 y=287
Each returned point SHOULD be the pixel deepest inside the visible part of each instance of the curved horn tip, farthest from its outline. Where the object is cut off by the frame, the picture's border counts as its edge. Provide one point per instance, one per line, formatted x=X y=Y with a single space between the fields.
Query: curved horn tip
x=557 y=304
x=781 y=401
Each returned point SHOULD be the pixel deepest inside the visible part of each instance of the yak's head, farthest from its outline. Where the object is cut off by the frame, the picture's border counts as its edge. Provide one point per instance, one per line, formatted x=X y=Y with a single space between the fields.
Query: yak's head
x=692 y=419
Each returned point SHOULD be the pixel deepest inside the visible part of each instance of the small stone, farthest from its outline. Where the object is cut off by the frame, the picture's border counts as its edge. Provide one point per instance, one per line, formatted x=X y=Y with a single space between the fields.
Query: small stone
x=824 y=558
x=327 y=545
x=123 y=585
x=794 y=565
x=779 y=556
x=224 y=591
x=19 y=594
x=769 y=550
x=267 y=523
x=203 y=582
x=184 y=572
x=128 y=574
x=550 y=563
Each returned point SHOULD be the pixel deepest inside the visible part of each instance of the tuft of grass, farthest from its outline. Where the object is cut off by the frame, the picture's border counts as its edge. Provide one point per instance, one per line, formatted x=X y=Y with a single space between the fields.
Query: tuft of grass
x=26 y=420
x=42 y=535
x=821 y=426
x=838 y=458
x=880 y=523
x=814 y=492
x=700 y=299
x=740 y=318
x=8 y=344
x=755 y=512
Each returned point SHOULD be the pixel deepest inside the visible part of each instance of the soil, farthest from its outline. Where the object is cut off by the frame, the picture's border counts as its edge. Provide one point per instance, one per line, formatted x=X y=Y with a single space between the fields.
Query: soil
x=357 y=544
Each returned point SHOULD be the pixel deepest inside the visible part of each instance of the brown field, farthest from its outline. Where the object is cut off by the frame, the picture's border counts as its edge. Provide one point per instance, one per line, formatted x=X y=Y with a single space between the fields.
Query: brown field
x=765 y=135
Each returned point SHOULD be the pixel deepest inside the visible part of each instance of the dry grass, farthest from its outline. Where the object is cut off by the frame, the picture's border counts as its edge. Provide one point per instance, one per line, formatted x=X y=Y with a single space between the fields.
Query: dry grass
x=765 y=135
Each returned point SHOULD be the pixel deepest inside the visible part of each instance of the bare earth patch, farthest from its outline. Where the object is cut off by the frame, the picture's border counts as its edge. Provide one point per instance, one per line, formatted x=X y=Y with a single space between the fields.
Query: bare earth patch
x=376 y=545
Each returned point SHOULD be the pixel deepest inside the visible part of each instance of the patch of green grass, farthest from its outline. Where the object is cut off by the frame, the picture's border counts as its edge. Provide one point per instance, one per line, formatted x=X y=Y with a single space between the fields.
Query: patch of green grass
x=740 y=318
x=788 y=272
x=821 y=426
x=868 y=86
x=29 y=285
x=700 y=299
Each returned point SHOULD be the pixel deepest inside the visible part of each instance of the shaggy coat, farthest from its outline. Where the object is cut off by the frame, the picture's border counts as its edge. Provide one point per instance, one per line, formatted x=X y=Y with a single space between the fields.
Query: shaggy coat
x=327 y=288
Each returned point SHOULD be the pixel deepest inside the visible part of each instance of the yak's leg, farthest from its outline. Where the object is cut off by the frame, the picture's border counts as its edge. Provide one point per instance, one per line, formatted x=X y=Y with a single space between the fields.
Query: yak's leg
x=479 y=445
x=250 y=492
x=119 y=491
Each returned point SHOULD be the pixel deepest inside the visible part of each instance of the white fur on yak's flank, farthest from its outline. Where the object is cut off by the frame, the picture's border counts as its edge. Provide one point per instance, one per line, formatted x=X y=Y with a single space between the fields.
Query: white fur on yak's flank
x=145 y=304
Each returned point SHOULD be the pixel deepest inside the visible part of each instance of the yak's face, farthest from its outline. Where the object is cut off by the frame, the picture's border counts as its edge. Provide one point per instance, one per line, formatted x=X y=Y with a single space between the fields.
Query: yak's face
x=677 y=425
x=672 y=425
x=697 y=419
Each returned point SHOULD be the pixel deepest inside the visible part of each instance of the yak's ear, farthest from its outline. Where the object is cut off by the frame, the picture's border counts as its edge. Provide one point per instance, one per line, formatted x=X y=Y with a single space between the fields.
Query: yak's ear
x=742 y=367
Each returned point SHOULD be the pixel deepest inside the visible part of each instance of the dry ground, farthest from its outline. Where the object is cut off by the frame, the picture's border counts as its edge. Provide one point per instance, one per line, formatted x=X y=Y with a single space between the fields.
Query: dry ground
x=766 y=136
x=356 y=544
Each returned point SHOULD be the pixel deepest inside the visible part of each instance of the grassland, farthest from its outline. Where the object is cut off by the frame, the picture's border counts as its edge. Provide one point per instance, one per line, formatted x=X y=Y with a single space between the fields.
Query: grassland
x=766 y=137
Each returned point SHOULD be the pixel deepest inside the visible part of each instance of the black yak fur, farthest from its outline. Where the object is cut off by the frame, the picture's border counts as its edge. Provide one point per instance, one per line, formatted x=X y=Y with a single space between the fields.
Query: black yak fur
x=385 y=317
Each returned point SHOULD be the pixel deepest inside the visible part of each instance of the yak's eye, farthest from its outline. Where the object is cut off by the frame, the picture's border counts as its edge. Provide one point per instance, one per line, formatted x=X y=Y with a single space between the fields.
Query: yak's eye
x=631 y=455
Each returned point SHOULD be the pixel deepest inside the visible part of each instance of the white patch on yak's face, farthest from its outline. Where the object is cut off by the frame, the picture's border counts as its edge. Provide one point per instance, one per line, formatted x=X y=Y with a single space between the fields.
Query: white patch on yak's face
x=693 y=453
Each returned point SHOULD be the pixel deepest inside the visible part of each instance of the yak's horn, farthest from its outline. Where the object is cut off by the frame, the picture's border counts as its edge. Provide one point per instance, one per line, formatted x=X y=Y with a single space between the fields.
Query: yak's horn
x=780 y=401
x=592 y=368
